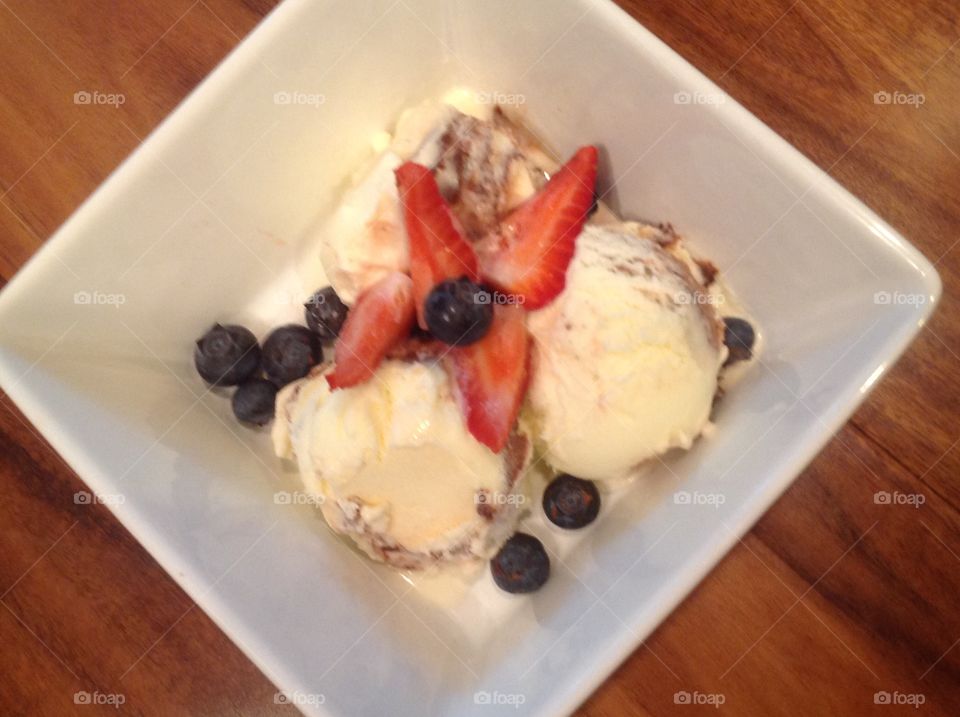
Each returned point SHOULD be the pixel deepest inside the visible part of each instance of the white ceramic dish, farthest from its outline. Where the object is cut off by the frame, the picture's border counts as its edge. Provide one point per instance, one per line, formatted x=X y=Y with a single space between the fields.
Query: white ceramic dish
x=210 y=219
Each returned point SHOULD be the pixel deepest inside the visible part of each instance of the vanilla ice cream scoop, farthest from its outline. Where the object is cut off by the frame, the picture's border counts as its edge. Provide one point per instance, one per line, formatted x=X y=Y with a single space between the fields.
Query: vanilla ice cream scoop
x=364 y=239
x=485 y=166
x=625 y=359
x=393 y=466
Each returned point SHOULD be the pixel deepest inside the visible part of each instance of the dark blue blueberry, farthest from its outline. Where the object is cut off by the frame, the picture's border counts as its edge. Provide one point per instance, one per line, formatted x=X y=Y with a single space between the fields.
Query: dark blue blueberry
x=253 y=401
x=325 y=313
x=739 y=336
x=458 y=311
x=571 y=502
x=521 y=566
x=226 y=355
x=289 y=353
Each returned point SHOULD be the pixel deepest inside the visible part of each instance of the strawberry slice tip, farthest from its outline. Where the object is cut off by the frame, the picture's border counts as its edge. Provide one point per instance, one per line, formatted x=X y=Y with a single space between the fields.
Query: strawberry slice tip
x=438 y=250
x=537 y=240
x=491 y=377
x=381 y=317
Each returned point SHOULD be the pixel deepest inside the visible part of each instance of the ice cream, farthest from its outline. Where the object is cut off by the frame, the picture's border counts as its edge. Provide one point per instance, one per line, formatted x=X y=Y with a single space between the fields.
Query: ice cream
x=626 y=358
x=625 y=354
x=394 y=468
x=364 y=239
x=486 y=168
x=485 y=164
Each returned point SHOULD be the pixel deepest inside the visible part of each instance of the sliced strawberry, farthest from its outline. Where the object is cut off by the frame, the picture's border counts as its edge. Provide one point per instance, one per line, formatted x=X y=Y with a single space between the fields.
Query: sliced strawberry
x=381 y=317
x=437 y=249
x=537 y=239
x=491 y=377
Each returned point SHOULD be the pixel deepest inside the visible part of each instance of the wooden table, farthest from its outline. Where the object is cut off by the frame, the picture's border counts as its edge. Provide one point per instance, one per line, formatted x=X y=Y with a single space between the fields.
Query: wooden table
x=828 y=600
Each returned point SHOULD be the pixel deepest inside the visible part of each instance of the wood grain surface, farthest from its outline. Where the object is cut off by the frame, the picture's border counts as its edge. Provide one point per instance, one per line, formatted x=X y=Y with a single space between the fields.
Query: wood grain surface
x=829 y=600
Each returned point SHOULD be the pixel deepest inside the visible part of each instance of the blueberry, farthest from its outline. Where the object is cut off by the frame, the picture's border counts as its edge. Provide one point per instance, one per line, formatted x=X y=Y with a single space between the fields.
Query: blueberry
x=571 y=502
x=226 y=355
x=325 y=313
x=521 y=566
x=289 y=353
x=458 y=311
x=253 y=401
x=739 y=336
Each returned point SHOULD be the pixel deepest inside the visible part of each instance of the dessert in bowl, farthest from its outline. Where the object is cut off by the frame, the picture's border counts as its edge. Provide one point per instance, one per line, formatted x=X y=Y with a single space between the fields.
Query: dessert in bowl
x=486 y=312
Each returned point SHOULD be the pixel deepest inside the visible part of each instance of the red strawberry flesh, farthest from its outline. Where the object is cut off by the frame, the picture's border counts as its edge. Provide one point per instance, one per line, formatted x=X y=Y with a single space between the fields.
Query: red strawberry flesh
x=538 y=238
x=381 y=317
x=491 y=377
x=438 y=251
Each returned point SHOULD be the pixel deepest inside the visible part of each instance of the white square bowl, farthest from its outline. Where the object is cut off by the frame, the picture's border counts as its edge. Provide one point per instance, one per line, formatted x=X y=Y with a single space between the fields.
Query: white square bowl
x=210 y=219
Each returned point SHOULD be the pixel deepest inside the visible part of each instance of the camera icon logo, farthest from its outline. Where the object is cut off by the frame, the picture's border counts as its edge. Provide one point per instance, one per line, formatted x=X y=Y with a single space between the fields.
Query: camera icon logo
x=882 y=98
x=82 y=98
x=481 y=698
x=282 y=98
x=882 y=497
x=682 y=497
x=682 y=98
